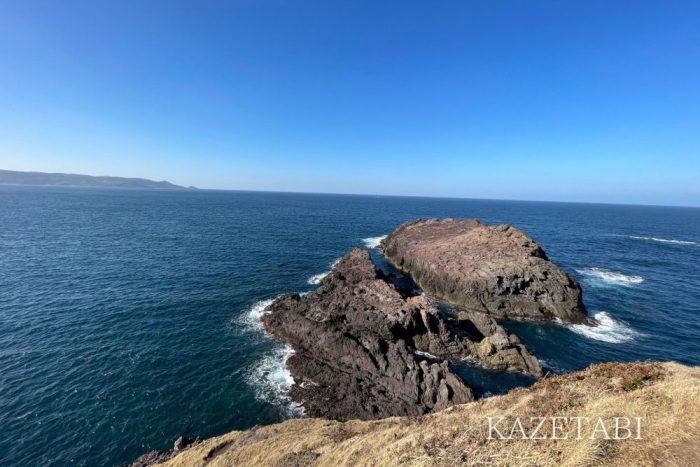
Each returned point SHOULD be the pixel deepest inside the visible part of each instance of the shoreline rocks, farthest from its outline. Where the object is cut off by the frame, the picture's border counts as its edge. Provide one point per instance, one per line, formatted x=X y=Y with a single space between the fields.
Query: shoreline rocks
x=497 y=270
x=366 y=349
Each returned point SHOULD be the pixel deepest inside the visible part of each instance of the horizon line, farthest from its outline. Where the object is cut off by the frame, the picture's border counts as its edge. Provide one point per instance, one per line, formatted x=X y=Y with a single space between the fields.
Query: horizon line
x=191 y=188
x=448 y=197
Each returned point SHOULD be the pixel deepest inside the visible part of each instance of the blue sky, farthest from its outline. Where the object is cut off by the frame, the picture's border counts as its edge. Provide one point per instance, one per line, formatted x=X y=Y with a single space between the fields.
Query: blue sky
x=577 y=100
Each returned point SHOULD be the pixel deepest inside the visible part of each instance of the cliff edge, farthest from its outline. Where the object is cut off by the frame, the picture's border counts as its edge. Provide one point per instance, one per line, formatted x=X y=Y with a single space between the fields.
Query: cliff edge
x=662 y=395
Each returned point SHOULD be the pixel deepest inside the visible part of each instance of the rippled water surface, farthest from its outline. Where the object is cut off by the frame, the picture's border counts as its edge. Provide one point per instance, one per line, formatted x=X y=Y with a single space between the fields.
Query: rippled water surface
x=128 y=318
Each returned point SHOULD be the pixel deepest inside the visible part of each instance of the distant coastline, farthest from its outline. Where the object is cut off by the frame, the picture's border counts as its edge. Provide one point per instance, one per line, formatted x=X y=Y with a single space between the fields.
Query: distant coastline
x=11 y=177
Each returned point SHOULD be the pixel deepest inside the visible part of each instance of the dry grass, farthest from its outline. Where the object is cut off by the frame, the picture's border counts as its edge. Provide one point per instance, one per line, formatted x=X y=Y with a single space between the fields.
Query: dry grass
x=666 y=396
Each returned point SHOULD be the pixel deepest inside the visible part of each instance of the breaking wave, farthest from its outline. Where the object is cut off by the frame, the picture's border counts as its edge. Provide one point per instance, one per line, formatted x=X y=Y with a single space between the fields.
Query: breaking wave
x=611 y=277
x=272 y=380
x=664 y=240
x=608 y=330
x=373 y=242
x=251 y=318
x=317 y=278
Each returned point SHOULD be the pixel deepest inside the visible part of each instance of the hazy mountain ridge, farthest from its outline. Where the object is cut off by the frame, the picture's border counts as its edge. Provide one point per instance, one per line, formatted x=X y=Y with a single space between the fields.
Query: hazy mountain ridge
x=11 y=177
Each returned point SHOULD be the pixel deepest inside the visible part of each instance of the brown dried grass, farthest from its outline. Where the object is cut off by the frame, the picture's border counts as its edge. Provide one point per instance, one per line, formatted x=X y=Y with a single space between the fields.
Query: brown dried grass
x=666 y=395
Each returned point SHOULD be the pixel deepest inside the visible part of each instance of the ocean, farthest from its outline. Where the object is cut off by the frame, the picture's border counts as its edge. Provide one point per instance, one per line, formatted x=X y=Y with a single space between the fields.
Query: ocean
x=130 y=317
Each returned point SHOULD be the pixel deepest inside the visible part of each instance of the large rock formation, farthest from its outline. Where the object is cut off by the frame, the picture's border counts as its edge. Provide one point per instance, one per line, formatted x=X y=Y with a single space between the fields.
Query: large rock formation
x=366 y=349
x=493 y=269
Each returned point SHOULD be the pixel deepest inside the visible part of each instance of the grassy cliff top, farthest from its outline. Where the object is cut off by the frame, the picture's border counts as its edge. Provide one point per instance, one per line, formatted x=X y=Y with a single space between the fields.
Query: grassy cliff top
x=664 y=395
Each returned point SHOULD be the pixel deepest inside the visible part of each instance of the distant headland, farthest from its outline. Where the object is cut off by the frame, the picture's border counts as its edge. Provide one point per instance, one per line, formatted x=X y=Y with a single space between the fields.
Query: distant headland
x=11 y=177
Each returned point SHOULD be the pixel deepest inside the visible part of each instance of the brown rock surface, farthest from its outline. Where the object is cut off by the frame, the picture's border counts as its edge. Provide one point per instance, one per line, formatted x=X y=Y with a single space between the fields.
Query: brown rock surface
x=360 y=346
x=498 y=270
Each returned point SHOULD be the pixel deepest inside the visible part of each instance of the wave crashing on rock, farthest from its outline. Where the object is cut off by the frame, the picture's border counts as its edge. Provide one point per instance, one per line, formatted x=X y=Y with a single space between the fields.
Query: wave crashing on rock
x=606 y=329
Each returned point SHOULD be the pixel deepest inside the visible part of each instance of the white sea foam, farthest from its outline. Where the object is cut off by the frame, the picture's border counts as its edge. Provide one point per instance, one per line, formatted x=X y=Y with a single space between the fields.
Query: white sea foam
x=611 y=277
x=251 y=318
x=664 y=240
x=425 y=354
x=373 y=242
x=608 y=329
x=317 y=278
x=546 y=366
x=272 y=380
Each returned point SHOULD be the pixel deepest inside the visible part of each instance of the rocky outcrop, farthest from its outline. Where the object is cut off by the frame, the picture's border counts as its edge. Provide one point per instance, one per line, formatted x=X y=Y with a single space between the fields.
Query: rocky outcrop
x=366 y=349
x=159 y=456
x=492 y=269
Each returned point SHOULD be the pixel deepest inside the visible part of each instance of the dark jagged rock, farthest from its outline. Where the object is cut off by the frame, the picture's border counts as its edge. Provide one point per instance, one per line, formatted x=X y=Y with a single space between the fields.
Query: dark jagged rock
x=158 y=456
x=182 y=443
x=152 y=458
x=493 y=269
x=360 y=346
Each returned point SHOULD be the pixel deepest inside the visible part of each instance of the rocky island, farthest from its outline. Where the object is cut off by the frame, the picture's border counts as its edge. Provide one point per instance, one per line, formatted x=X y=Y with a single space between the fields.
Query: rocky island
x=366 y=349
x=497 y=270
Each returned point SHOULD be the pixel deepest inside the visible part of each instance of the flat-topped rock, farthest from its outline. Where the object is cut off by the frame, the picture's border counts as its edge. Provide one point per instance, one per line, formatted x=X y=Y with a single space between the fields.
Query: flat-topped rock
x=497 y=270
x=366 y=349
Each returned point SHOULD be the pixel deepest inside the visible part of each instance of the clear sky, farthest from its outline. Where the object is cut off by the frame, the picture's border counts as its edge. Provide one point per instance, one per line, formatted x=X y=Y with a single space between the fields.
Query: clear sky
x=518 y=99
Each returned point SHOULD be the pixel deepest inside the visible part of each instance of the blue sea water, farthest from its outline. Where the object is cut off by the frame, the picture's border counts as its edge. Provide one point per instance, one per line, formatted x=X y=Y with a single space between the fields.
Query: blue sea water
x=128 y=318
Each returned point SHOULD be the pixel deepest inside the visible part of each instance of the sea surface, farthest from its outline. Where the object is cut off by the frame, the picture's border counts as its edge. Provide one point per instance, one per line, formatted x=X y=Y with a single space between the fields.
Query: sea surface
x=129 y=318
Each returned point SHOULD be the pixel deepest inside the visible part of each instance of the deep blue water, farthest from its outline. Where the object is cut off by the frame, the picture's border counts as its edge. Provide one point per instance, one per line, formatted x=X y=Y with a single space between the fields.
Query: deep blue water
x=127 y=318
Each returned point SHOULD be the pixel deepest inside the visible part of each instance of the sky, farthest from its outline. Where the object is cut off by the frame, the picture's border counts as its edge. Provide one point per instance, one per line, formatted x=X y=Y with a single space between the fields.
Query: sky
x=594 y=101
